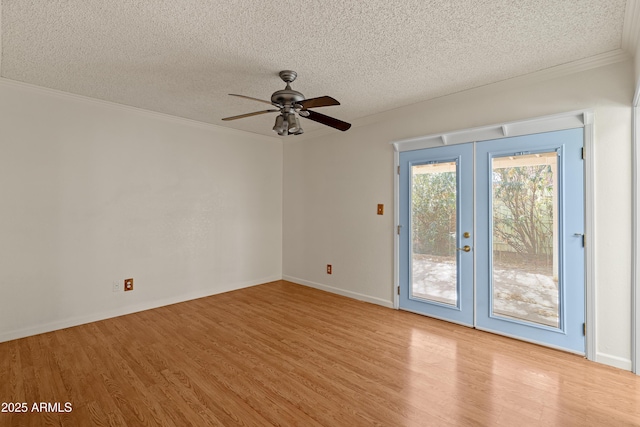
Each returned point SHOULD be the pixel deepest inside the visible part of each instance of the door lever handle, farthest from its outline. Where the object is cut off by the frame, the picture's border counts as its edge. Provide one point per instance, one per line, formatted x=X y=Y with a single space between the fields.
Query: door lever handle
x=465 y=248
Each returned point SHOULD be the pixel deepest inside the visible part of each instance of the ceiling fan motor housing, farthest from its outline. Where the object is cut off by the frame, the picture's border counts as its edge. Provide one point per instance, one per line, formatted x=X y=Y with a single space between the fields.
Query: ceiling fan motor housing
x=286 y=97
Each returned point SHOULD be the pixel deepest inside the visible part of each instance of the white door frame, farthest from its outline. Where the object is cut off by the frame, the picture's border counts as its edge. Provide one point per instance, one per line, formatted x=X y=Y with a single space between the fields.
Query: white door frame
x=569 y=120
x=630 y=35
x=635 y=260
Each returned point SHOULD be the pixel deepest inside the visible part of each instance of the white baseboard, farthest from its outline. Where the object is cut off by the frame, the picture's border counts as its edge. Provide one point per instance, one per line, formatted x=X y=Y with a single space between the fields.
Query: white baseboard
x=343 y=292
x=615 y=361
x=95 y=317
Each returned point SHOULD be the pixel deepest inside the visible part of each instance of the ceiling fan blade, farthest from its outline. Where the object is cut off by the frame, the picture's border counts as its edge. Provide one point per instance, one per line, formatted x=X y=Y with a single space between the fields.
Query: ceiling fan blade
x=322 y=101
x=254 y=99
x=255 y=113
x=328 y=121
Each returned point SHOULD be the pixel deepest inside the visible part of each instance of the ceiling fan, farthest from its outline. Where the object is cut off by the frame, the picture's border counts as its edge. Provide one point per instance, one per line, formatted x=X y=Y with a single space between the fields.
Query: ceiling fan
x=290 y=102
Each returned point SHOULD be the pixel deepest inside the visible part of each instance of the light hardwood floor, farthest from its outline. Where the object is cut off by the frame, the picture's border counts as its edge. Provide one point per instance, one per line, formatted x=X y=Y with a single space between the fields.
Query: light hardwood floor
x=283 y=354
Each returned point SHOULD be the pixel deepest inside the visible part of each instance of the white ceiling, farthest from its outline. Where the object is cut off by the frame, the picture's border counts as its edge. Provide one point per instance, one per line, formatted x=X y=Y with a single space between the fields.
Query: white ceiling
x=182 y=57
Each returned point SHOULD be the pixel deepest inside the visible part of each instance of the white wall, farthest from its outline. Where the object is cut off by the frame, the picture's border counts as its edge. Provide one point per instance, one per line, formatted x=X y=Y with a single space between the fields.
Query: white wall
x=636 y=67
x=332 y=184
x=92 y=192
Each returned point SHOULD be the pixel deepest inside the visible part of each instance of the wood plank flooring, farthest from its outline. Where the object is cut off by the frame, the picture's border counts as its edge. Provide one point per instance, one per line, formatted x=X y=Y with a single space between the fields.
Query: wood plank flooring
x=284 y=354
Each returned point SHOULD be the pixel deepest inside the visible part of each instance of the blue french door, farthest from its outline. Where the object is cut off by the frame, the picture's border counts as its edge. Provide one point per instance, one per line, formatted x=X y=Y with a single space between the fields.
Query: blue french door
x=436 y=208
x=530 y=238
x=510 y=263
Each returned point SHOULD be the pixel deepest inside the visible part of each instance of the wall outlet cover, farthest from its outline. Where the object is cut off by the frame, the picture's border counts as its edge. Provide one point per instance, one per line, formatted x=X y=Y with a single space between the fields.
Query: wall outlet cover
x=128 y=285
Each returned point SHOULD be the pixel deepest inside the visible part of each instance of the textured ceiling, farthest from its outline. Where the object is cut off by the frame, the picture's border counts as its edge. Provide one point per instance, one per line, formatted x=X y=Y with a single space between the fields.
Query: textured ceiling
x=182 y=57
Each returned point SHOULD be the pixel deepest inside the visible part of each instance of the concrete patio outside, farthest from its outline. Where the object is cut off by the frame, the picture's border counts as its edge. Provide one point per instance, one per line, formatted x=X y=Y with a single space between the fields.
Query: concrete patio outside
x=520 y=294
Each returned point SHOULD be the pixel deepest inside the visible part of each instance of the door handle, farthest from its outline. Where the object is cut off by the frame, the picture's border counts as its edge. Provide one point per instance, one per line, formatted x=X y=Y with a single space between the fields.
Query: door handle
x=465 y=248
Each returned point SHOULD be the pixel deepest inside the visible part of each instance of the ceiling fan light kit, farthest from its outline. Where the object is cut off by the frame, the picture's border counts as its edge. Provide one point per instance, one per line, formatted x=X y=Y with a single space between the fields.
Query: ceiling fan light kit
x=294 y=123
x=279 y=127
x=291 y=104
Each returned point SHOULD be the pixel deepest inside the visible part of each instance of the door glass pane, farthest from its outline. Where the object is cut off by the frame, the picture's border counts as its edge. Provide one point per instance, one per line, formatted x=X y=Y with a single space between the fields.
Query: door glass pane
x=433 y=225
x=525 y=238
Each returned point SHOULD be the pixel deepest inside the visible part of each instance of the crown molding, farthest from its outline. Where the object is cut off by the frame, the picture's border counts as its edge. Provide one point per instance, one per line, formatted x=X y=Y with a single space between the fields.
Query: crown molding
x=586 y=64
x=551 y=73
x=127 y=108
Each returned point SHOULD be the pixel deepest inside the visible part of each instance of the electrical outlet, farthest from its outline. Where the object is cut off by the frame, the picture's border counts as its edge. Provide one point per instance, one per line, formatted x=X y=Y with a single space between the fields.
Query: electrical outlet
x=128 y=285
x=115 y=286
x=380 y=209
x=329 y=269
